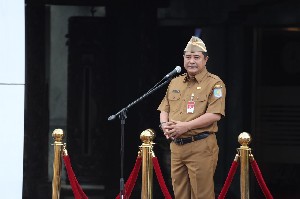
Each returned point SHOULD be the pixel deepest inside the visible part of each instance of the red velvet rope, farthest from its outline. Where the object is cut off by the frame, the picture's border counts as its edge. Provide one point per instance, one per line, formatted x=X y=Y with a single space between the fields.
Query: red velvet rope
x=77 y=190
x=260 y=180
x=130 y=183
x=160 y=178
x=229 y=178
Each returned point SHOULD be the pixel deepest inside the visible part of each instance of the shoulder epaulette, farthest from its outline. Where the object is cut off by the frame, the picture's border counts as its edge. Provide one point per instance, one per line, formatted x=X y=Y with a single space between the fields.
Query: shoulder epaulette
x=214 y=76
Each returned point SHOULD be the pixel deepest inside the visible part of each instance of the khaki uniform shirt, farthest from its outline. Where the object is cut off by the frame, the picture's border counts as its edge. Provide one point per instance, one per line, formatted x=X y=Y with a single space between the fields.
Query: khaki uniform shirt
x=209 y=96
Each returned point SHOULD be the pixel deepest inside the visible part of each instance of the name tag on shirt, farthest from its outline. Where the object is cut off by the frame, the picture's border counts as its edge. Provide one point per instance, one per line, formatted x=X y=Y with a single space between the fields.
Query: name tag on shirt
x=190 y=107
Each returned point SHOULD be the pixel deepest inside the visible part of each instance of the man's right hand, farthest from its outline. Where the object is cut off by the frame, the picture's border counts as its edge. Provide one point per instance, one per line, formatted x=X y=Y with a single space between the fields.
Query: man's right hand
x=167 y=127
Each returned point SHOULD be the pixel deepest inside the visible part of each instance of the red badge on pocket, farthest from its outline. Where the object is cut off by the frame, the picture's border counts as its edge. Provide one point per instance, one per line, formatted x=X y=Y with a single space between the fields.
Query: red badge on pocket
x=190 y=107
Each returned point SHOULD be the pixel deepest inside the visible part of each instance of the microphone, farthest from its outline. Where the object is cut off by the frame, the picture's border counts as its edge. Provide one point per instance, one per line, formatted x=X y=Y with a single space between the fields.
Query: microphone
x=112 y=117
x=173 y=72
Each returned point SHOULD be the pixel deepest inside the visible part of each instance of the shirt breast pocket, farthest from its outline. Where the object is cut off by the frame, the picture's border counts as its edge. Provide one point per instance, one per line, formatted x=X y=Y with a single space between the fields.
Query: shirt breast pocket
x=174 y=101
x=200 y=104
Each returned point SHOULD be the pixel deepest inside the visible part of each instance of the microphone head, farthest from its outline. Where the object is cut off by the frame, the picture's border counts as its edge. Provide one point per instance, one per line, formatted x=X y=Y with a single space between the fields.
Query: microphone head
x=178 y=69
x=112 y=117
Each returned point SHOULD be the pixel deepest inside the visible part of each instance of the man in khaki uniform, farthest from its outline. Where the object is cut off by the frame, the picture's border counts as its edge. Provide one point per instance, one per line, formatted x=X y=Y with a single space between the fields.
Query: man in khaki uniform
x=189 y=112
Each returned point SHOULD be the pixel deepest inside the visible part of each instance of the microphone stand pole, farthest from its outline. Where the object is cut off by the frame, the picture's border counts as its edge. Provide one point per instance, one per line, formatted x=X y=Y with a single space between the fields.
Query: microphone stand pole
x=122 y=115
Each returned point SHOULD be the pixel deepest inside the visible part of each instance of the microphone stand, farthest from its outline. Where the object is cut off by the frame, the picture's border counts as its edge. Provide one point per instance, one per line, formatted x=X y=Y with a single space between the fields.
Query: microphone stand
x=122 y=115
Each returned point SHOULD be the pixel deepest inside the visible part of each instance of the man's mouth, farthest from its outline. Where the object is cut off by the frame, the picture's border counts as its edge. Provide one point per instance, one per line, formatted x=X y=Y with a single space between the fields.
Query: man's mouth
x=192 y=67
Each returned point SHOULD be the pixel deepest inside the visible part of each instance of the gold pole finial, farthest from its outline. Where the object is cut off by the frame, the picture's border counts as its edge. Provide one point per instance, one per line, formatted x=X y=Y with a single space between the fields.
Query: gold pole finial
x=58 y=136
x=244 y=139
x=147 y=137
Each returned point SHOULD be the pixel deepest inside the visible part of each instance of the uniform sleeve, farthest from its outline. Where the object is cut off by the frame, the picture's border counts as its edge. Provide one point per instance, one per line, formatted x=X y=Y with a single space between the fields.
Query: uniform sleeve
x=164 y=105
x=216 y=99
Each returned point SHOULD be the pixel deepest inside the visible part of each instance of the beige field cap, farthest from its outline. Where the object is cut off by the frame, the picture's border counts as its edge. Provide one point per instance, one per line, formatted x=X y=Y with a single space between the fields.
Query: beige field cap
x=195 y=44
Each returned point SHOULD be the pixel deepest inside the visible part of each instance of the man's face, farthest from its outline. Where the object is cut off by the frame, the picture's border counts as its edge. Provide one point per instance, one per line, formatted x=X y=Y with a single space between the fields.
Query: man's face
x=194 y=62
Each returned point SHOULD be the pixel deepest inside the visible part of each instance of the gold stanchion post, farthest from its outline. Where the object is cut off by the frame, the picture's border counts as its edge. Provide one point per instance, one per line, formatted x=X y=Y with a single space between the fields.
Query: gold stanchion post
x=244 y=139
x=57 y=135
x=147 y=137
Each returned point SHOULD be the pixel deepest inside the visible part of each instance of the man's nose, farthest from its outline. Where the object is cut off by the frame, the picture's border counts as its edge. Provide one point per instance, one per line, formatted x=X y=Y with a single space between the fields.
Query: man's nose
x=192 y=60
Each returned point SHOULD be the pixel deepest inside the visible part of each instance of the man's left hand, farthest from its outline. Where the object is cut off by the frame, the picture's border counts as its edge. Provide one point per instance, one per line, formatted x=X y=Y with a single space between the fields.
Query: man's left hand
x=177 y=128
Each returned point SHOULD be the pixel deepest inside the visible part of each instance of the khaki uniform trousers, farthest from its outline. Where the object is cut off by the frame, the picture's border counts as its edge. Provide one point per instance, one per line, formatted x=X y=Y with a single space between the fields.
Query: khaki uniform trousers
x=192 y=168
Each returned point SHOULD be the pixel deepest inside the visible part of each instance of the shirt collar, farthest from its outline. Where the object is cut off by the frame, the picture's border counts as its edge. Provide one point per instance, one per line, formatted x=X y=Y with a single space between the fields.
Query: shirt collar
x=199 y=77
